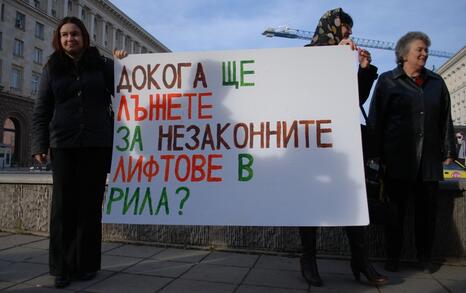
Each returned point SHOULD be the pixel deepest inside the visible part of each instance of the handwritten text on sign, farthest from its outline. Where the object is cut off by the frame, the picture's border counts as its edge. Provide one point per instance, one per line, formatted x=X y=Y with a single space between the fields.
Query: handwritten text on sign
x=259 y=137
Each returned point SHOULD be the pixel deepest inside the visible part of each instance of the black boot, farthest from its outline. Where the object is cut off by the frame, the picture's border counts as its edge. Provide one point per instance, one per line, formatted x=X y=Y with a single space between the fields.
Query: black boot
x=310 y=272
x=392 y=265
x=359 y=261
x=369 y=272
x=61 y=281
x=87 y=276
x=308 y=260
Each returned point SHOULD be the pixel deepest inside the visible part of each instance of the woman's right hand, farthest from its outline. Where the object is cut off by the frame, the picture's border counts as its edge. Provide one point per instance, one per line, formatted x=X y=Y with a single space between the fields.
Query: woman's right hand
x=350 y=42
x=41 y=158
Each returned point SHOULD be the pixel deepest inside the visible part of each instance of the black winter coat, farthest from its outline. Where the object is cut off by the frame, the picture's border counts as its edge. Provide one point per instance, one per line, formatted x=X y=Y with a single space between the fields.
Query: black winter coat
x=73 y=109
x=366 y=78
x=412 y=125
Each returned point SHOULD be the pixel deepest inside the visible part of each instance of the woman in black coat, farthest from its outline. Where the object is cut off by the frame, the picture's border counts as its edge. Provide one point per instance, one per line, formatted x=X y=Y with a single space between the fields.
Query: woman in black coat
x=410 y=115
x=334 y=28
x=73 y=118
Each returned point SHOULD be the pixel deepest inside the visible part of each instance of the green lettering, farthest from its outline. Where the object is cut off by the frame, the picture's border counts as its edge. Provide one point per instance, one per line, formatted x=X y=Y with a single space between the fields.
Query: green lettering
x=137 y=138
x=231 y=74
x=245 y=167
x=112 y=198
x=134 y=198
x=124 y=138
x=163 y=202
x=244 y=72
x=147 y=199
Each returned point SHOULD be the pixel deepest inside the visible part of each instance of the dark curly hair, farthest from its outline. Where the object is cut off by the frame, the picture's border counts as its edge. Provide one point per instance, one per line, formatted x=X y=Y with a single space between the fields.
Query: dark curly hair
x=56 y=43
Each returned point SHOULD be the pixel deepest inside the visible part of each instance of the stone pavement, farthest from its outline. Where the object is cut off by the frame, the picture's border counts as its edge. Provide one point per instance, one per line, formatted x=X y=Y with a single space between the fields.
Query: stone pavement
x=137 y=268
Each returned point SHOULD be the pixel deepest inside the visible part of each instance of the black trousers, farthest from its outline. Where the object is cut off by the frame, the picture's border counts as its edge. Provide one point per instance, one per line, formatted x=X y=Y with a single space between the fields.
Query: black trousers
x=79 y=177
x=425 y=211
x=356 y=238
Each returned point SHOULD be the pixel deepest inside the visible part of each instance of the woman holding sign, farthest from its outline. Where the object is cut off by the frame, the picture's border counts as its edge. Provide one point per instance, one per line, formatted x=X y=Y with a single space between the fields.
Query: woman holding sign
x=410 y=113
x=334 y=28
x=73 y=118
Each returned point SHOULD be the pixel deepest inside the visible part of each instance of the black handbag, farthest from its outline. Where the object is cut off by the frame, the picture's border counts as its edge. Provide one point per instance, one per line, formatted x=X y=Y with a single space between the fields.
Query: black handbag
x=380 y=208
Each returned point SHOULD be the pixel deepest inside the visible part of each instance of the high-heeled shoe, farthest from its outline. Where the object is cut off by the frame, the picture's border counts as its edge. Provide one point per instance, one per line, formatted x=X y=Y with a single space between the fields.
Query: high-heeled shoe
x=310 y=272
x=369 y=272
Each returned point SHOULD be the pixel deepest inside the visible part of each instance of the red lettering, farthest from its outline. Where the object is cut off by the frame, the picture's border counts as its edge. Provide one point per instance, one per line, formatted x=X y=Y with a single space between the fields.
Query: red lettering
x=167 y=159
x=211 y=167
x=123 y=107
x=178 y=169
x=321 y=130
x=198 y=168
x=140 y=113
x=172 y=105
x=120 y=169
x=201 y=106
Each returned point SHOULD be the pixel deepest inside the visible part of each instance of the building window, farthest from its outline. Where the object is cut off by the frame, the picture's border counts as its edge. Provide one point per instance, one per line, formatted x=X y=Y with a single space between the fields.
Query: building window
x=83 y=15
x=38 y=54
x=118 y=40
x=9 y=138
x=16 y=79
x=18 y=48
x=1 y=74
x=1 y=40
x=35 y=83
x=106 y=36
x=2 y=12
x=70 y=6
x=39 y=31
x=54 y=8
x=20 y=21
x=9 y=133
x=95 y=29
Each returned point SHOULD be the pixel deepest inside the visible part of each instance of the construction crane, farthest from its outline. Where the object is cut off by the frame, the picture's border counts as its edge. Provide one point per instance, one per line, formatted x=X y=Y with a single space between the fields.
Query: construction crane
x=290 y=33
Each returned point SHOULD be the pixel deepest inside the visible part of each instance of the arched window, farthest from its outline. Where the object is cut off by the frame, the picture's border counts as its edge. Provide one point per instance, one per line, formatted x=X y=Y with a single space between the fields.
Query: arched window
x=9 y=137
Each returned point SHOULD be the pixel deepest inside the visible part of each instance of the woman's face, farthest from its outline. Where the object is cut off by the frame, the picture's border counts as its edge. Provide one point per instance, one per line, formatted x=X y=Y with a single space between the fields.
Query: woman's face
x=417 y=54
x=71 y=39
x=459 y=137
x=346 y=31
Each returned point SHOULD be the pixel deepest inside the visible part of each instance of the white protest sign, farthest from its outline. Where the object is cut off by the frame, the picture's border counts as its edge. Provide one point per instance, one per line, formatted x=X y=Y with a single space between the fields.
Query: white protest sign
x=265 y=137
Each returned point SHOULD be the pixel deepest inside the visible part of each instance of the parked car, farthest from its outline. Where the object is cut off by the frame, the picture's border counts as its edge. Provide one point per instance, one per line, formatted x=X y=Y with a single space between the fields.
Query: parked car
x=43 y=167
x=455 y=170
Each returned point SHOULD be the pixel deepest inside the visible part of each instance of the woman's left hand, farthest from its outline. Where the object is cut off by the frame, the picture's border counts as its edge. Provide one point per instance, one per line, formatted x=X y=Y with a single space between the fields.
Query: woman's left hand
x=364 y=57
x=120 y=54
x=448 y=161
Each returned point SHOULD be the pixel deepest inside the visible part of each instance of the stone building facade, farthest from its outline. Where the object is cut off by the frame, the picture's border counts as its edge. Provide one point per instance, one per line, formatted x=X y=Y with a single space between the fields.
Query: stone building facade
x=26 y=28
x=454 y=74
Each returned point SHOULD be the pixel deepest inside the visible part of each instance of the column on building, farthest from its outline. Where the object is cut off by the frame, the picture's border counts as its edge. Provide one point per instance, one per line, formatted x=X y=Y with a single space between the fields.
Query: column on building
x=114 y=32
x=92 y=26
x=132 y=47
x=103 y=34
x=123 y=41
x=65 y=8
x=80 y=10
x=49 y=7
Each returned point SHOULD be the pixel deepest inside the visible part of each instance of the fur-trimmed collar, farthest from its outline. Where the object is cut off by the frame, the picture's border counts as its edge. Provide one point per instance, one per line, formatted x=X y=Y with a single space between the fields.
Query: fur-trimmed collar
x=60 y=63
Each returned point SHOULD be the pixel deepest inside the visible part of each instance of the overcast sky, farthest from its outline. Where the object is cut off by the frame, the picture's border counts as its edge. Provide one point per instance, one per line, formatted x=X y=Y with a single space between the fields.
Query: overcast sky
x=204 y=25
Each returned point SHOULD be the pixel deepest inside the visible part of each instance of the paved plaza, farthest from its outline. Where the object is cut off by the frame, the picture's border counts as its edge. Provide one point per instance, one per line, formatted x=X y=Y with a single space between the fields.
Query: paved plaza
x=141 y=268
